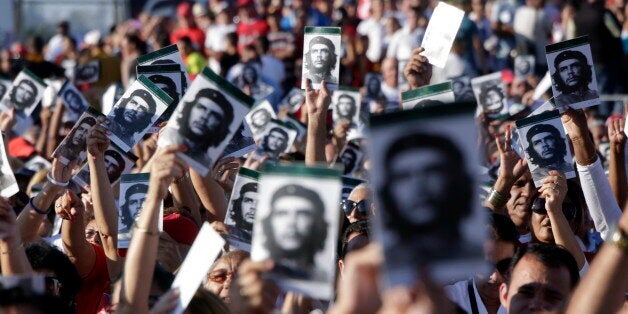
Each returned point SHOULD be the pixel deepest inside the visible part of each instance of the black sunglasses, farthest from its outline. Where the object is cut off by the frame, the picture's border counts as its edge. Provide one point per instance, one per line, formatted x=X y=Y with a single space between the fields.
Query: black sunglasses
x=569 y=209
x=348 y=206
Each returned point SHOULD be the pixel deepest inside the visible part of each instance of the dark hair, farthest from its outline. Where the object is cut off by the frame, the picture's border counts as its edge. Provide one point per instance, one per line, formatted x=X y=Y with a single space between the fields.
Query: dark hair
x=360 y=227
x=501 y=228
x=139 y=44
x=550 y=255
x=587 y=73
x=145 y=121
x=171 y=90
x=207 y=139
x=71 y=92
x=43 y=256
x=333 y=57
x=318 y=234
x=126 y=217
x=283 y=133
x=487 y=88
x=30 y=99
x=353 y=104
x=162 y=278
x=561 y=147
x=456 y=207
x=115 y=155
x=236 y=213
x=353 y=160
x=42 y=303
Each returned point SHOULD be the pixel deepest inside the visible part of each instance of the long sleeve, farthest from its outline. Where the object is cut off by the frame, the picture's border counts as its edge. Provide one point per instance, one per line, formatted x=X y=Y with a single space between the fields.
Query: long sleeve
x=598 y=194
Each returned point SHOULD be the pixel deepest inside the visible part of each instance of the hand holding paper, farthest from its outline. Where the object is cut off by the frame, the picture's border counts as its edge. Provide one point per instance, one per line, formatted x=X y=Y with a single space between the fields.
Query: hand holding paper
x=441 y=32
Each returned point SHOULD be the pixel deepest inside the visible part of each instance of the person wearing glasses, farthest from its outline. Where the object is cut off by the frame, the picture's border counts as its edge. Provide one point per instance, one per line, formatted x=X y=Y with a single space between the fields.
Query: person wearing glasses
x=223 y=273
x=480 y=294
x=357 y=206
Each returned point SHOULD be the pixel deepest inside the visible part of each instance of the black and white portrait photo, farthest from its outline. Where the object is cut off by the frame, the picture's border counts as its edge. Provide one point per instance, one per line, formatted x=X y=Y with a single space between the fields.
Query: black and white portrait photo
x=170 y=79
x=321 y=56
x=423 y=176
x=240 y=215
x=524 y=65
x=117 y=162
x=297 y=125
x=166 y=56
x=73 y=99
x=490 y=93
x=209 y=115
x=241 y=143
x=461 y=86
x=87 y=73
x=8 y=184
x=573 y=77
x=346 y=105
x=277 y=139
x=428 y=96
x=24 y=94
x=373 y=87
x=37 y=163
x=293 y=100
x=137 y=110
x=259 y=116
x=73 y=147
x=133 y=189
x=545 y=145
x=296 y=225
x=351 y=157
x=250 y=82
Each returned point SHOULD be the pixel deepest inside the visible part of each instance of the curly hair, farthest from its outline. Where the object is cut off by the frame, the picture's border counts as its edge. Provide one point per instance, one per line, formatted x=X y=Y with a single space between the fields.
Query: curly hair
x=283 y=133
x=533 y=156
x=315 y=241
x=27 y=102
x=236 y=213
x=125 y=214
x=331 y=62
x=352 y=110
x=140 y=124
x=488 y=88
x=586 y=75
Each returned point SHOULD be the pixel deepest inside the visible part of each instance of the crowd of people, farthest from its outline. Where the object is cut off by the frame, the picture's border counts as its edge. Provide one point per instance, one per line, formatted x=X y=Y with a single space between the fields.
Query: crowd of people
x=559 y=247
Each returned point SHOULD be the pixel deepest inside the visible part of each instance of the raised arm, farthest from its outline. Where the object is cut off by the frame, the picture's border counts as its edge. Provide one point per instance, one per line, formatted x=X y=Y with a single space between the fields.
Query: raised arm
x=13 y=258
x=70 y=208
x=597 y=191
x=211 y=194
x=316 y=103
x=53 y=131
x=142 y=254
x=418 y=71
x=554 y=190
x=617 y=166
x=105 y=210
x=183 y=195
x=34 y=213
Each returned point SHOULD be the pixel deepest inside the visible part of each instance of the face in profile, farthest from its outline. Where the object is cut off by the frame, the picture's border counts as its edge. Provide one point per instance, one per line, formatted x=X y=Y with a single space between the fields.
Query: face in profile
x=544 y=145
x=419 y=183
x=292 y=219
x=275 y=141
x=249 y=204
x=135 y=203
x=205 y=117
x=80 y=134
x=135 y=110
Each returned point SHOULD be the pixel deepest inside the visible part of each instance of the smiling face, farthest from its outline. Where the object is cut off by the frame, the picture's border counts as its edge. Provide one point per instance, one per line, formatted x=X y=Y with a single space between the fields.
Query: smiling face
x=292 y=220
x=205 y=117
x=544 y=145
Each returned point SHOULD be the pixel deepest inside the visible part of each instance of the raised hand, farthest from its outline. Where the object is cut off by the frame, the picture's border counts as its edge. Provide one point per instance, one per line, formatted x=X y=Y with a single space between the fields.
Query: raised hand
x=254 y=163
x=8 y=227
x=554 y=190
x=97 y=140
x=317 y=101
x=7 y=120
x=511 y=165
x=259 y=294
x=418 y=71
x=616 y=134
x=166 y=166
x=68 y=206
x=62 y=172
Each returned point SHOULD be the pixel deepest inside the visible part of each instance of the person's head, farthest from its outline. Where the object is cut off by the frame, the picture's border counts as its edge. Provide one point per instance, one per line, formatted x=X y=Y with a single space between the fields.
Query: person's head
x=136 y=111
x=134 y=198
x=244 y=207
x=358 y=204
x=346 y=106
x=523 y=66
x=349 y=159
x=260 y=117
x=355 y=237
x=321 y=56
x=249 y=74
x=373 y=86
x=24 y=94
x=296 y=99
x=572 y=71
x=223 y=272
x=296 y=227
x=167 y=85
x=63 y=279
x=499 y=248
x=114 y=162
x=80 y=133
x=63 y=28
x=545 y=145
x=542 y=277
x=426 y=182
x=276 y=141
x=390 y=71
x=206 y=302
x=206 y=118
x=491 y=97
x=92 y=233
x=185 y=45
x=540 y=224
x=73 y=100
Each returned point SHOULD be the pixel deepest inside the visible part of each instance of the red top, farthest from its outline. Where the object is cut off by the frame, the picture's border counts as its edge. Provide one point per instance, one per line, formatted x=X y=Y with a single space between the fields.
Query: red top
x=197 y=36
x=249 y=31
x=94 y=285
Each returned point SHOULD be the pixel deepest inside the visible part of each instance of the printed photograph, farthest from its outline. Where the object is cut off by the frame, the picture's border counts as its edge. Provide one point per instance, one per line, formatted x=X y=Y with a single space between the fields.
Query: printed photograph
x=293 y=100
x=117 y=162
x=250 y=82
x=24 y=94
x=351 y=157
x=8 y=184
x=490 y=94
x=87 y=73
x=73 y=99
x=259 y=117
x=524 y=65
x=74 y=145
x=321 y=57
x=133 y=189
x=428 y=96
x=440 y=33
x=346 y=105
x=276 y=139
x=461 y=86
x=240 y=215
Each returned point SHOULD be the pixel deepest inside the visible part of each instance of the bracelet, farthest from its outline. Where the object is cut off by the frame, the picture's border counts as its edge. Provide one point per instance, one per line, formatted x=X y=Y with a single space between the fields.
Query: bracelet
x=37 y=210
x=144 y=230
x=497 y=199
x=55 y=182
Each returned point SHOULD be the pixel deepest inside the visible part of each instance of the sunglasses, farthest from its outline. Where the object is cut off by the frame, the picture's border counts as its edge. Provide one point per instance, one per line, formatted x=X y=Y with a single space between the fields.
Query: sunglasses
x=503 y=266
x=348 y=206
x=569 y=209
x=220 y=276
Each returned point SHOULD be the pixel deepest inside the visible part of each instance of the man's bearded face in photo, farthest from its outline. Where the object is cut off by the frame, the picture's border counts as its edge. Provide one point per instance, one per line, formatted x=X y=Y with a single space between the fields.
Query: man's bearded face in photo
x=570 y=72
x=80 y=134
x=205 y=117
x=23 y=94
x=136 y=109
x=546 y=147
x=320 y=57
x=275 y=141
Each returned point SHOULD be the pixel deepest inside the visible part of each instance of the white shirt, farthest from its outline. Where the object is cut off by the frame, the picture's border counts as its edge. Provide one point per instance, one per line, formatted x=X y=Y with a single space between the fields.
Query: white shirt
x=459 y=293
x=375 y=31
x=403 y=42
x=216 y=36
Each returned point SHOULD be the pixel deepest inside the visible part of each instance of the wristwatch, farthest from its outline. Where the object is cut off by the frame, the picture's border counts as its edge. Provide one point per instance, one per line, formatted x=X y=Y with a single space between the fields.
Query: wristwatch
x=619 y=238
